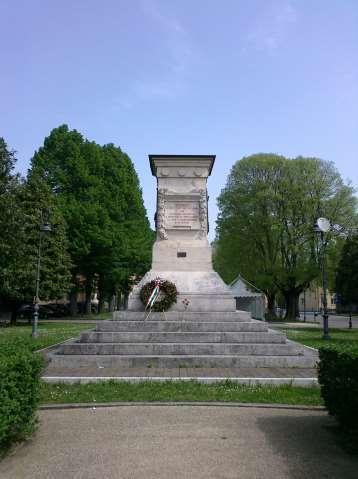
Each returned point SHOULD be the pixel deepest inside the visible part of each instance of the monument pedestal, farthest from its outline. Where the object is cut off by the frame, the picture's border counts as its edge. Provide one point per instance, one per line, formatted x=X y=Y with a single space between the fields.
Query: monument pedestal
x=205 y=291
x=181 y=252
x=209 y=332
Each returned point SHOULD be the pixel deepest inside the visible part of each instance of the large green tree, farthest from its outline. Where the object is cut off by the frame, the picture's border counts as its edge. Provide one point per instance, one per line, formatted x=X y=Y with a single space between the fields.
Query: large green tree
x=100 y=198
x=130 y=251
x=346 y=284
x=247 y=240
x=266 y=222
x=11 y=224
x=23 y=205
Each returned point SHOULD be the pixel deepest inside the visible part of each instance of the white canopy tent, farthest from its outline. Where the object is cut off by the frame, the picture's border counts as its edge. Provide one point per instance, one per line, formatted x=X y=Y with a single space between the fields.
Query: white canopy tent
x=248 y=297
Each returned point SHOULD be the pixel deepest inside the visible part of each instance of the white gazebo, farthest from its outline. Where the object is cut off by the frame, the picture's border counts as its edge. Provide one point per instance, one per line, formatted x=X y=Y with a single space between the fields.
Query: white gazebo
x=248 y=297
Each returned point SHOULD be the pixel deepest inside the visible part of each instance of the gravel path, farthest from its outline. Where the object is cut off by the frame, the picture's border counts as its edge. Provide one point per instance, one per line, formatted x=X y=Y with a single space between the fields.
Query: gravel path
x=211 y=442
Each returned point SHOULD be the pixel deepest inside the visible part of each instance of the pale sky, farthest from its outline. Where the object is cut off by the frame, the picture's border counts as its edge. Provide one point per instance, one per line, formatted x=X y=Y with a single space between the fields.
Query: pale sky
x=230 y=78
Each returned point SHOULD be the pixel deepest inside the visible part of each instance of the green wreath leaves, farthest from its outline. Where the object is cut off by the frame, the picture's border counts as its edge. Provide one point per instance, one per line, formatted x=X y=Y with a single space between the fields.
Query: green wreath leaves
x=170 y=295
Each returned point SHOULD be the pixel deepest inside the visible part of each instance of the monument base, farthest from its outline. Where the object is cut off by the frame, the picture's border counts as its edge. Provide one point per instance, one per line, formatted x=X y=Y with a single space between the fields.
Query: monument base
x=209 y=332
x=205 y=290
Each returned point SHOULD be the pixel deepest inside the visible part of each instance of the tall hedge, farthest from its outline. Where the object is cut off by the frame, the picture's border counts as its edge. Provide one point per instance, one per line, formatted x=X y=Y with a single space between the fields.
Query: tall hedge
x=20 y=371
x=338 y=377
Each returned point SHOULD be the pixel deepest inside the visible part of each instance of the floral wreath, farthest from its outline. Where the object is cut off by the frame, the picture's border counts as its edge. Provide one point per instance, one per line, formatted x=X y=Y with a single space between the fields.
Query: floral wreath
x=168 y=296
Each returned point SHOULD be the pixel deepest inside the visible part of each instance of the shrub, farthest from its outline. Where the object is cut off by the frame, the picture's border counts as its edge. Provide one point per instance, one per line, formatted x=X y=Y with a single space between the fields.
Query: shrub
x=20 y=371
x=338 y=377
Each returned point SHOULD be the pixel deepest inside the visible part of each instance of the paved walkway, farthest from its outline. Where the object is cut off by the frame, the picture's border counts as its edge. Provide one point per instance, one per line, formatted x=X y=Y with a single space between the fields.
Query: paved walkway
x=334 y=321
x=186 y=442
x=56 y=374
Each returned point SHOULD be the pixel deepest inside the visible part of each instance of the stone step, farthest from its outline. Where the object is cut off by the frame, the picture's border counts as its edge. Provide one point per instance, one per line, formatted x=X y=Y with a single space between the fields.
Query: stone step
x=180 y=337
x=183 y=316
x=198 y=349
x=175 y=361
x=181 y=326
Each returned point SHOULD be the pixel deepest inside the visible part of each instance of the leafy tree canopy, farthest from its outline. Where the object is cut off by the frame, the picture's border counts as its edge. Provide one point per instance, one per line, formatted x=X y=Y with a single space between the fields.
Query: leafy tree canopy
x=99 y=196
x=7 y=164
x=266 y=216
x=347 y=273
x=22 y=205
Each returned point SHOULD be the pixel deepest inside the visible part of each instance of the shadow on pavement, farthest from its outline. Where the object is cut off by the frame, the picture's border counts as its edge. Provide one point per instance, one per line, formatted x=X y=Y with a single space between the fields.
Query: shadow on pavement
x=309 y=446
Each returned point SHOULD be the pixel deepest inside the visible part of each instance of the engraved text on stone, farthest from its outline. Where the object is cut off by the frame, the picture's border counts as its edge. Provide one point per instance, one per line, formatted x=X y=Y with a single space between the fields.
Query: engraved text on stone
x=182 y=214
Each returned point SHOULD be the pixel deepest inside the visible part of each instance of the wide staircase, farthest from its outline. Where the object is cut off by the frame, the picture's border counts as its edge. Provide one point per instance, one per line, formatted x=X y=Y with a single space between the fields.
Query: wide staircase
x=175 y=339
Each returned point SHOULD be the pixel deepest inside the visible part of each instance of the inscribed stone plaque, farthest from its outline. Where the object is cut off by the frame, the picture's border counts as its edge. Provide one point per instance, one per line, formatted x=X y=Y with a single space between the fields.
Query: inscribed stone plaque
x=182 y=215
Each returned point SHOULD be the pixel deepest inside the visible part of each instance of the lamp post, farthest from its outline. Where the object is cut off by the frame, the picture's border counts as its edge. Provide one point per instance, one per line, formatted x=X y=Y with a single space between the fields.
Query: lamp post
x=323 y=226
x=44 y=228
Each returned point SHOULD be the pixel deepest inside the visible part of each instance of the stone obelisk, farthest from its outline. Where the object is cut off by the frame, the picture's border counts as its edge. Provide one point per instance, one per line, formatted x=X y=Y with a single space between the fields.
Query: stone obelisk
x=181 y=252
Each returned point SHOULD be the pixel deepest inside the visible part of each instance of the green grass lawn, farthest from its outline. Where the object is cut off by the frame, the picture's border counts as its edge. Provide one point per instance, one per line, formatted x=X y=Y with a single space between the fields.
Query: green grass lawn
x=227 y=391
x=313 y=337
x=49 y=333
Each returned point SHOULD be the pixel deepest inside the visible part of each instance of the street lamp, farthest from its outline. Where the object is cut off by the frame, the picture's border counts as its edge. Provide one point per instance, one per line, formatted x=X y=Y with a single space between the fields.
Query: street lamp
x=44 y=228
x=323 y=226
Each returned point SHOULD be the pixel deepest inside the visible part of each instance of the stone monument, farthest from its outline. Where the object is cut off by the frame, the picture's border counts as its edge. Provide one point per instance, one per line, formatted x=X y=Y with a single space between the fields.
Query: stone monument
x=210 y=333
x=181 y=252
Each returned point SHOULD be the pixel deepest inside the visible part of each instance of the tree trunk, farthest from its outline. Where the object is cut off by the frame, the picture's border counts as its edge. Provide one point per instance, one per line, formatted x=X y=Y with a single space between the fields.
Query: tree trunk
x=101 y=304
x=297 y=306
x=120 y=301
x=89 y=287
x=88 y=309
x=101 y=298
x=271 y=306
x=73 y=303
x=13 y=317
x=125 y=301
x=291 y=299
x=112 y=303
